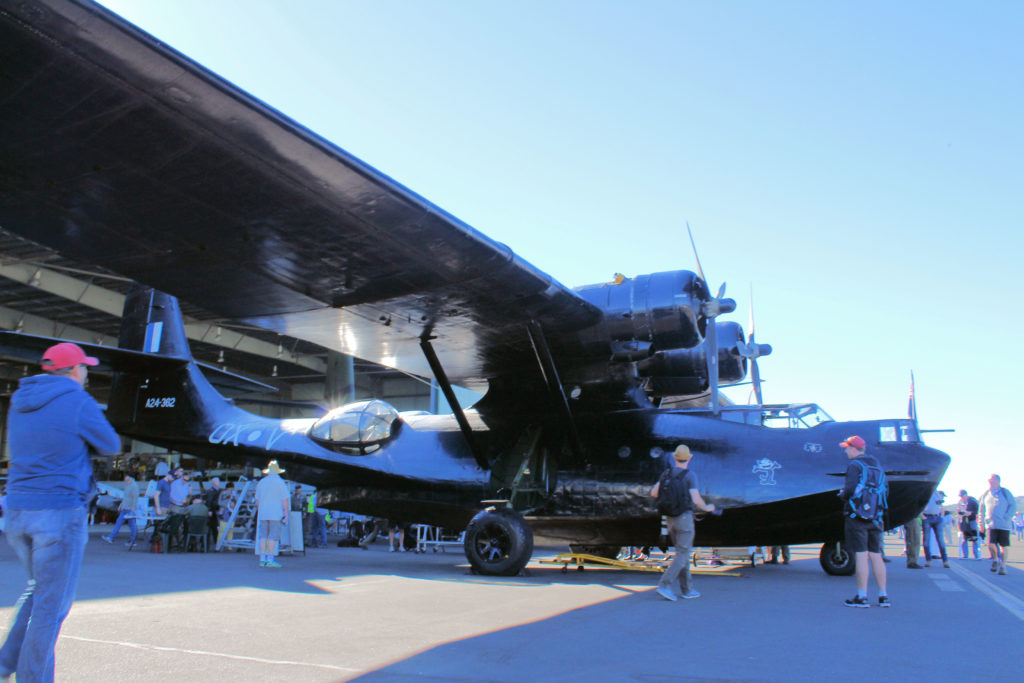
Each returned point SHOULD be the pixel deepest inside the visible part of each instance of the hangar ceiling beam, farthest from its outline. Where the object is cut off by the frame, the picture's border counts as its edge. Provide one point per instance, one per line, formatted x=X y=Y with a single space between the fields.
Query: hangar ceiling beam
x=112 y=303
x=19 y=321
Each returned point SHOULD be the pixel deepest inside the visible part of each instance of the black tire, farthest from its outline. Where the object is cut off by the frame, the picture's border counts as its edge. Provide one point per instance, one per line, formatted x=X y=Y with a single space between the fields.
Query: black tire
x=610 y=552
x=498 y=543
x=836 y=560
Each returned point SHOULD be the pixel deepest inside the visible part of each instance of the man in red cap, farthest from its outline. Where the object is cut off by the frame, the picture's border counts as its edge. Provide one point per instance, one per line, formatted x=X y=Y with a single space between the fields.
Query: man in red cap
x=51 y=426
x=863 y=536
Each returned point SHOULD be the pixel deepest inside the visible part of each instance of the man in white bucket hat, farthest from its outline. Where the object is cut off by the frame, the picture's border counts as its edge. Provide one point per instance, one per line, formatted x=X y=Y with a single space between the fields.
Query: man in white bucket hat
x=273 y=505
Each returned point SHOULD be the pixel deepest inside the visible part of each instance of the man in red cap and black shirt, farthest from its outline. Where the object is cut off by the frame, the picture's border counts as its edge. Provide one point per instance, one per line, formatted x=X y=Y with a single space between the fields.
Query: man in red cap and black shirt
x=51 y=427
x=863 y=537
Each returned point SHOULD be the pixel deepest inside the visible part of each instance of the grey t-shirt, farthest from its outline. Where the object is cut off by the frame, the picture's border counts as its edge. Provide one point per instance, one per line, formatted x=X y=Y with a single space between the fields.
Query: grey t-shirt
x=998 y=509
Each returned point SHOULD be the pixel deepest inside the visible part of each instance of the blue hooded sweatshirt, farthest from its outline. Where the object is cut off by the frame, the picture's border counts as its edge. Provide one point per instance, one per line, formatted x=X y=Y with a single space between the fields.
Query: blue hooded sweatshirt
x=51 y=424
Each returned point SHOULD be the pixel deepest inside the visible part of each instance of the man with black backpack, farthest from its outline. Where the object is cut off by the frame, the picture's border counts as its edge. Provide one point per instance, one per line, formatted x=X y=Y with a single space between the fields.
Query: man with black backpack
x=864 y=497
x=677 y=493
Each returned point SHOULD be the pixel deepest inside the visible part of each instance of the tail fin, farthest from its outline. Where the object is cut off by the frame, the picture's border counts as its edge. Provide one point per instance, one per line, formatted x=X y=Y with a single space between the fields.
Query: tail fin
x=152 y=323
x=167 y=400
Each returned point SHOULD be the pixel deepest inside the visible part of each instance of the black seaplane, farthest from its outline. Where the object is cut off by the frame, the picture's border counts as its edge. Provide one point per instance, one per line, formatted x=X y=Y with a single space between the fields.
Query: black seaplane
x=118 y=151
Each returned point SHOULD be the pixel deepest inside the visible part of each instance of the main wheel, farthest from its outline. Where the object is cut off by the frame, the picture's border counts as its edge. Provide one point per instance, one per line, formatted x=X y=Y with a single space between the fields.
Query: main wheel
x=498 y=542
x=836 y=560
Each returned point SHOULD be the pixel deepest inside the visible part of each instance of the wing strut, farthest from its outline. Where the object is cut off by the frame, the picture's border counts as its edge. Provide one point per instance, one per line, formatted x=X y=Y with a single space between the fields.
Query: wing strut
x=446 y=387
x=550 y=374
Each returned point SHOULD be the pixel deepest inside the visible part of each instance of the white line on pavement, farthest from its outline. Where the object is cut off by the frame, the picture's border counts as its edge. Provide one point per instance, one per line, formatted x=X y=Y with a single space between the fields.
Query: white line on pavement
x=1013 y=604
x=160 y=648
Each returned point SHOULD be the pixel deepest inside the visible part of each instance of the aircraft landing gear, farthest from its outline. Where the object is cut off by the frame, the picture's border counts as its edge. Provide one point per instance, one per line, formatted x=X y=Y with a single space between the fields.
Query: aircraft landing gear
x=498 y=542
x=836 y=560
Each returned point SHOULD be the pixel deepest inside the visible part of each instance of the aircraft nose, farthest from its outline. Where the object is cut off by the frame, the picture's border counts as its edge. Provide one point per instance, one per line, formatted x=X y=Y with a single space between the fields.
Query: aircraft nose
x=935 y=462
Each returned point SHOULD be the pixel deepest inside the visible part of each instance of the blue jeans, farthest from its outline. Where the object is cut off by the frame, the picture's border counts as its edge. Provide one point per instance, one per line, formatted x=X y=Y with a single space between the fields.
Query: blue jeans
x=50 y=543
x=933 y=524
x=132 y=526
x=320 y=532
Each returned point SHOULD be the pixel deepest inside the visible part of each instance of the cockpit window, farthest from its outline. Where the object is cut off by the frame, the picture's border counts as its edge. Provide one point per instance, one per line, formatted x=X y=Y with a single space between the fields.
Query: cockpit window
x=790 y=416
x=898 y=431
x=358 y=426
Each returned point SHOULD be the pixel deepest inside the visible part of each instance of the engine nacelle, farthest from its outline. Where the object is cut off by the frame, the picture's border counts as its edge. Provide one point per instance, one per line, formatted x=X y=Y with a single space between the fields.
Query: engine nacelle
x=684 y=372
x=661 y=310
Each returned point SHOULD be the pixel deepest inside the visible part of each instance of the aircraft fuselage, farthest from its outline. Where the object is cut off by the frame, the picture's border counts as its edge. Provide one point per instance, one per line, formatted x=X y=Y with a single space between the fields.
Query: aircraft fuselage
x=775 y=485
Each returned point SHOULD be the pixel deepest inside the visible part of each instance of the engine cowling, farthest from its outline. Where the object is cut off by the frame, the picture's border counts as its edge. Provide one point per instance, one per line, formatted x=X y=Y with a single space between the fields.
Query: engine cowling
x=652 y=312
x=684 y=372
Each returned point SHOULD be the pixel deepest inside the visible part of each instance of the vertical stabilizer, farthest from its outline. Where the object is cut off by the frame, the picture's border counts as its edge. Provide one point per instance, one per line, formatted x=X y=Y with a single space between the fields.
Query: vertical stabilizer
x=169 y=399
x=152 y=323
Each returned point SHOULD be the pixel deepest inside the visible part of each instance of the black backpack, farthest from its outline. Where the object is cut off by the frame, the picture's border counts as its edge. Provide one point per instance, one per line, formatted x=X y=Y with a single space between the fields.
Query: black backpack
x=673 y=493
x=868 y=501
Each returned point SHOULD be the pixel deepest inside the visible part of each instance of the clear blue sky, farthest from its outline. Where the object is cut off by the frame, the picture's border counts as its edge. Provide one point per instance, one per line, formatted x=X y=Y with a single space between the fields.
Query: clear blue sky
x=858 y=164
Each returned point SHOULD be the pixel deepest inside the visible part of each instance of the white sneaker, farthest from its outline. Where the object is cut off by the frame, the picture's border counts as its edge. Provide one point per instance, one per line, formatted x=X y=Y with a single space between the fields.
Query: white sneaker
x=667 y=593
x=391 y=549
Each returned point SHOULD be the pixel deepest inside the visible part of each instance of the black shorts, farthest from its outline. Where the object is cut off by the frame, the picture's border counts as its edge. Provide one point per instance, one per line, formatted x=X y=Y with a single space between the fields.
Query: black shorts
x=862 y=536
x=999 y=537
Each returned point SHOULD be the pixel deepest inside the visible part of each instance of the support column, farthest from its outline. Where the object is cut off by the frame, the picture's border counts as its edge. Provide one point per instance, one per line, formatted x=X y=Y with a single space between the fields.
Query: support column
x=340 y=380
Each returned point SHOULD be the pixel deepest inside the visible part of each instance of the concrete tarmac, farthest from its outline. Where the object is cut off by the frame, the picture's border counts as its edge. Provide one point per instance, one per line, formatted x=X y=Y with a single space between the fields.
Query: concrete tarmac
x=340 y=614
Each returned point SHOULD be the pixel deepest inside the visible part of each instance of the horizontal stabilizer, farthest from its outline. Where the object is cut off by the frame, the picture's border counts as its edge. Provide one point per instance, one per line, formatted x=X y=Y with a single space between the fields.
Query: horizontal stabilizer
x=29 y=348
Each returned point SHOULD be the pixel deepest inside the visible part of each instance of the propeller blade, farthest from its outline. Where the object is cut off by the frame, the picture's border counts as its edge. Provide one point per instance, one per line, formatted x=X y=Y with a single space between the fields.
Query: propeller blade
x=755 y=378
x=753 y=351
x=711 y=339
x=700 y=271
x=751 y=337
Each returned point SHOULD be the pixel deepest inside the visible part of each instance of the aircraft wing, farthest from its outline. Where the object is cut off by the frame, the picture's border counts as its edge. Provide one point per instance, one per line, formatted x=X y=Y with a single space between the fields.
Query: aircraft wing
x=119 y=151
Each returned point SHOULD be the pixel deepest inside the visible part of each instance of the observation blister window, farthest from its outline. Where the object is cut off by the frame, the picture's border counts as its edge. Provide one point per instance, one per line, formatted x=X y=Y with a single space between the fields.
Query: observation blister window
x=360 y=426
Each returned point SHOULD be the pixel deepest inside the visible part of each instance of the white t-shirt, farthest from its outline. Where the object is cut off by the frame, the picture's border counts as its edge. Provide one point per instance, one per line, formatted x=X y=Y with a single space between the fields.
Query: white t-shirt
x=269 y=494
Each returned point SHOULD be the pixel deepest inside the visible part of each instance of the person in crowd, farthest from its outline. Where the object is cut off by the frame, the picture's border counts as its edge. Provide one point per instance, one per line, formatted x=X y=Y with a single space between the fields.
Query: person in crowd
x=320 y=527
x=273 y=504
x=947 y=527
x=181 y=491
x=681 y=526
x=997 y=508
x=308 y=518
x=912 y=539
x=298 y=500
x=774 y=552
x=126 y=511
x=212 y=499
x=967 y=514
x=863 y=537
x=52 y=425
x=933 y=528
x=162 y=495
x=197 y=508
x=225 y=508
x=396 y=528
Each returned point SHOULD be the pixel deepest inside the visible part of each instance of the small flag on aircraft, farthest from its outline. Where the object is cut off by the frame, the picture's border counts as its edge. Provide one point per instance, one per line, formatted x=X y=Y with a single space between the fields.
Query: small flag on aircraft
x=911 y=404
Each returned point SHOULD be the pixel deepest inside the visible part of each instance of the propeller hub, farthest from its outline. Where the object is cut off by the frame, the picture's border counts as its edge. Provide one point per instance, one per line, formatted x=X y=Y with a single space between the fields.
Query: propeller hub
x=717 y=307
